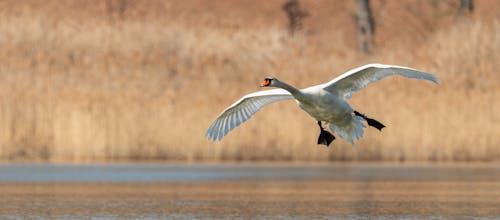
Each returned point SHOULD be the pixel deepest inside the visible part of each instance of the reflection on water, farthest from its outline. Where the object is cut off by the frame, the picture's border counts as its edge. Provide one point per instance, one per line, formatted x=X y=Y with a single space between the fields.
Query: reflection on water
x=213 y=172
x=152 y=191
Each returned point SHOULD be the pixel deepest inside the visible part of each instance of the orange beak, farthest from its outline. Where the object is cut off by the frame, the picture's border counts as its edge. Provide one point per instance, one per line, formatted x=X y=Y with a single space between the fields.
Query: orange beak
x=265 y=83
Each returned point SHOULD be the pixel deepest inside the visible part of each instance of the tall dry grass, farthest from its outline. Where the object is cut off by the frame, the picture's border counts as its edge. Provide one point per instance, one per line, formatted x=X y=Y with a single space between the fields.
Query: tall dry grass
x=81 y=83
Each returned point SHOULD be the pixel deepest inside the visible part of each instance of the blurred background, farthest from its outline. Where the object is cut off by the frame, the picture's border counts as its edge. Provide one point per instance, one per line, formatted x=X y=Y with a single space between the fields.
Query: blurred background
x=131 y=80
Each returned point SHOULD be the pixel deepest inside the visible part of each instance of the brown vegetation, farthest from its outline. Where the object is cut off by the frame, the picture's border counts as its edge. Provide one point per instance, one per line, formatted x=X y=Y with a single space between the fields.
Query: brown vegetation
x=143 y=79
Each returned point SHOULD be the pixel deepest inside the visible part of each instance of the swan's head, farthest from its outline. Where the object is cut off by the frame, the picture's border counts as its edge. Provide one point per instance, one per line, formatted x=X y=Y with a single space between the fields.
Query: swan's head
x=268 y=81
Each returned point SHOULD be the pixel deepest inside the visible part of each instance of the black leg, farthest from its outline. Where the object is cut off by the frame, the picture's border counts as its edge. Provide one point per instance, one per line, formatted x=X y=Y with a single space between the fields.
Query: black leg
x=371 y=122
x=325 y=137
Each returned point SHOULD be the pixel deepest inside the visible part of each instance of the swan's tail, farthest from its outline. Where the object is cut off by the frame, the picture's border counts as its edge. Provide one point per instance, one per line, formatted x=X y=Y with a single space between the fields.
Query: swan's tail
x=350 y=130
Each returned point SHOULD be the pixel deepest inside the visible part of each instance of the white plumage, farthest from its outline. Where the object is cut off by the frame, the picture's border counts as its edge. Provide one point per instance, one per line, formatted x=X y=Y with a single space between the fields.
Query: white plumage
x=325 y=102
x=243 y=109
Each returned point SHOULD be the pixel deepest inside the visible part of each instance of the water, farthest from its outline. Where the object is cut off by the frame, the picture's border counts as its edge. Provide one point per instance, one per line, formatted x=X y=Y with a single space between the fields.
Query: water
x=262 y=191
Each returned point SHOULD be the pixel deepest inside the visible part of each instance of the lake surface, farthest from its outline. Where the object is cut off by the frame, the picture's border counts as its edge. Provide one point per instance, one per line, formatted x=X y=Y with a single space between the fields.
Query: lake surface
x=243 y=191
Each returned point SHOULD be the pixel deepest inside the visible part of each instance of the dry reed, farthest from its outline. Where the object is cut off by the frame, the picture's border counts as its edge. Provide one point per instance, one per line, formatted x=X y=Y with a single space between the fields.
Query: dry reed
x=86 y=85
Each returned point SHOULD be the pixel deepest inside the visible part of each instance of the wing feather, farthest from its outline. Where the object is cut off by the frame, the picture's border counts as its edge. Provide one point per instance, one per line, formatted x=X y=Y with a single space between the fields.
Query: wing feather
x=356 y=79
x=242 y=110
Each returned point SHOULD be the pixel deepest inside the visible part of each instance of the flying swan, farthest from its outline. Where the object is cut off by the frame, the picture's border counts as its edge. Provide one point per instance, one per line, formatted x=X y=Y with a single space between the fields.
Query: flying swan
x=325 y=102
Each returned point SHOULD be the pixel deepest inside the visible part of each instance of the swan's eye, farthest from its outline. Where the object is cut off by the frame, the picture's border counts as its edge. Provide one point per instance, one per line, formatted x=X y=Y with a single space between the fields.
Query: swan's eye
x=266 y=82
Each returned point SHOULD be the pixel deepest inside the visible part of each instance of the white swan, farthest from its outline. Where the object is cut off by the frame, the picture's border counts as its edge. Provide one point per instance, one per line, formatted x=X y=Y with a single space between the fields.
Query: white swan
x=325 y=102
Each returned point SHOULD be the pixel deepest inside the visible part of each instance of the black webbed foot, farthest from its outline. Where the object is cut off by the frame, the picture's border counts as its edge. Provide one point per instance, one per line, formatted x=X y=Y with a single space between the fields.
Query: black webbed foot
x=374 y=123
x=371 y=122
x=325 y=137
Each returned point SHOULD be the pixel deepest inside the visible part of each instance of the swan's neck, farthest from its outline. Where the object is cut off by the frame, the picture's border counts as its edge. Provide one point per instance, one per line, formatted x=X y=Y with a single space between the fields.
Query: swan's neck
x=294 y=91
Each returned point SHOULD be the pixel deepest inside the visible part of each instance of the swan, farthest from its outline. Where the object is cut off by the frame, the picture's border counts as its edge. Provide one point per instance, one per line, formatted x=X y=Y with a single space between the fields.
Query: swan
x=325 y=102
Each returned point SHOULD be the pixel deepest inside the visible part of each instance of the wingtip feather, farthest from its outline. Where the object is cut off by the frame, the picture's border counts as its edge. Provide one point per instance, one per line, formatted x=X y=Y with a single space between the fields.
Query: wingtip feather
x=436 y=79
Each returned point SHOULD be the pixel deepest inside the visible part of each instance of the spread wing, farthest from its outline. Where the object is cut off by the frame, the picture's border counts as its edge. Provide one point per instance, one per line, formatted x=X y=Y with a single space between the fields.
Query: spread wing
x=242 y=110
x=356 y=79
